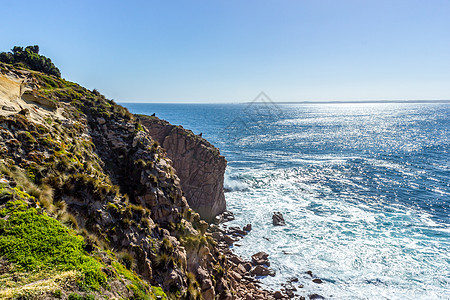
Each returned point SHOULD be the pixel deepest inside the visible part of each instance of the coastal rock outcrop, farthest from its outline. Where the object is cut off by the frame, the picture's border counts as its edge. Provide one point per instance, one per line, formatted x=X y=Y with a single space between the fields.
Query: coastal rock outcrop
x=88 y=164
x=198 y=164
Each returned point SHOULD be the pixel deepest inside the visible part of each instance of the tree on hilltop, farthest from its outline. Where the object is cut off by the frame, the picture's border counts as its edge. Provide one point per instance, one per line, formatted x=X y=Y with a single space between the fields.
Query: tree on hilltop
x=30 y=58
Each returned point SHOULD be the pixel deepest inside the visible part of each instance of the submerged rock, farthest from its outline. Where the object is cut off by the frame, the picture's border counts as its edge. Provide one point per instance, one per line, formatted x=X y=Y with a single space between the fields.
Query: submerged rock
x=290 y=293
x=317 y=280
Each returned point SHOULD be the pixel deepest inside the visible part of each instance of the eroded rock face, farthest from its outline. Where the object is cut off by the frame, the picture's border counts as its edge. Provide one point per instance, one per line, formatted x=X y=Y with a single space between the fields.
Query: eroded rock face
x=198 y=164
x=34 y=97
x=140 y=167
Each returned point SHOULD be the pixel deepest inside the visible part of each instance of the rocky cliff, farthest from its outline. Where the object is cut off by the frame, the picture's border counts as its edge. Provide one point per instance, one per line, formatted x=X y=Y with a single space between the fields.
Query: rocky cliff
x=198 y=164
x=92 y=207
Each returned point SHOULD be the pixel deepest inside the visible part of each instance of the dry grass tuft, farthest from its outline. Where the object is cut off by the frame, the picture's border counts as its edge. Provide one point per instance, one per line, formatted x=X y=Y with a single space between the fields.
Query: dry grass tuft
x=36 y=285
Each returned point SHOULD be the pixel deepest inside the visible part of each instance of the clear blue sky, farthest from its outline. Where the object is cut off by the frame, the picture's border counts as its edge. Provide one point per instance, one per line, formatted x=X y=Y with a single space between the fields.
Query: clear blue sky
x=229 y=51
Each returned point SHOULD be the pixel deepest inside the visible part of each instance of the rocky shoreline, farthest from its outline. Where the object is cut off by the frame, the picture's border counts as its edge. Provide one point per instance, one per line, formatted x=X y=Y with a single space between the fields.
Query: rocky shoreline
x=249 y=273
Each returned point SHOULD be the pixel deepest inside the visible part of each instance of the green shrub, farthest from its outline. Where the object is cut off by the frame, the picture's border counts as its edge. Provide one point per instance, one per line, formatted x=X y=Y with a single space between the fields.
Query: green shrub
x=138 y=286
x=75 y=296
x=139 y=293
x=139 y=127
x=166 y=246
x=57 y=294
x=29 y=58
x=193 y=241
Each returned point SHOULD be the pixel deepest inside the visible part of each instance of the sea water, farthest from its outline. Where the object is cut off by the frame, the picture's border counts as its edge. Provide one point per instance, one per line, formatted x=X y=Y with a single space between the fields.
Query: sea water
x=364 y=189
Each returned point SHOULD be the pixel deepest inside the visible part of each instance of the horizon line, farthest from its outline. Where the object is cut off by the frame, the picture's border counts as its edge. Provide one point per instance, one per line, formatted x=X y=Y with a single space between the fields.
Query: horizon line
x=444 y=101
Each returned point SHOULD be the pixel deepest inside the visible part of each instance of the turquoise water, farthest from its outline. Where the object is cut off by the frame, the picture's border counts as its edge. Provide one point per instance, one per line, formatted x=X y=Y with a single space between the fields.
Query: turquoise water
x=364 y=189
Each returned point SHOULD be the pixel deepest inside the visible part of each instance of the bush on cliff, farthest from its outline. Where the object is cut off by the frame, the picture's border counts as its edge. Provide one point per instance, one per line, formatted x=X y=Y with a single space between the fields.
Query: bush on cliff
x=29 y=57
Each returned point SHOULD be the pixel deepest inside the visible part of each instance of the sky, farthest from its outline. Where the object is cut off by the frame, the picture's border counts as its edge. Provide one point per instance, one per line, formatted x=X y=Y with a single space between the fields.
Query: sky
x=229 y=51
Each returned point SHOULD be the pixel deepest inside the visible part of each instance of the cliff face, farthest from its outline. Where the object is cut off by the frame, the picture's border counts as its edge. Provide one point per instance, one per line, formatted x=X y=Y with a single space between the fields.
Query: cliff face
x=198 y=164
x=70 y=155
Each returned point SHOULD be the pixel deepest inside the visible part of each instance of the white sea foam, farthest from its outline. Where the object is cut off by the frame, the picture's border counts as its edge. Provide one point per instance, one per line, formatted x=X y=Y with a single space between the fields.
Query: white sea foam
x=358 y=251
x=233 y=184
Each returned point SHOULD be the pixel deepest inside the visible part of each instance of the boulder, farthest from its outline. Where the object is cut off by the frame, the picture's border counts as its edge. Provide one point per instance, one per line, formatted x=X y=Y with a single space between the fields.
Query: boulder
x=227 y=216
x=316 y=297
x=33 y=96
x=236 y=259
x=278 y=295
x=229 y=240
x=218 y=236
x=236 y=231
x=277 y=219
x=241 y=269
x=247 y=227
x=260 y=271
x=248 y=266
x=260 y=258
x=101 y=121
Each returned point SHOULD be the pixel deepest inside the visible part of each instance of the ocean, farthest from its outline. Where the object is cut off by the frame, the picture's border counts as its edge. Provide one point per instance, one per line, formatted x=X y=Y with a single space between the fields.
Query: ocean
x=364 y=189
